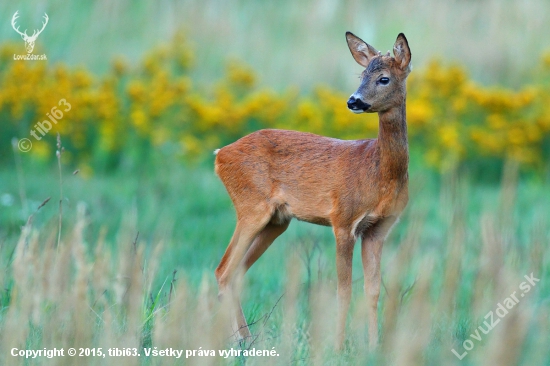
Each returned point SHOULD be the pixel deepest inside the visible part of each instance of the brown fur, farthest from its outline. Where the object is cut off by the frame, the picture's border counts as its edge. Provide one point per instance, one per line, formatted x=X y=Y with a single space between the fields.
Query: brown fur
x=358 y=187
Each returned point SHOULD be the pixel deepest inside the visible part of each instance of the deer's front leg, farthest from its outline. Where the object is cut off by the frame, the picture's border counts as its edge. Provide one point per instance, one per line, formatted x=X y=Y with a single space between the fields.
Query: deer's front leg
x=344 y=255
x=371 y=254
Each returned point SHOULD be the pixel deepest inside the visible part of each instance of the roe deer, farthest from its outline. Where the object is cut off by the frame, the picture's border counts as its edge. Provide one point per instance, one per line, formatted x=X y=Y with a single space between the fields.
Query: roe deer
x=358 y=187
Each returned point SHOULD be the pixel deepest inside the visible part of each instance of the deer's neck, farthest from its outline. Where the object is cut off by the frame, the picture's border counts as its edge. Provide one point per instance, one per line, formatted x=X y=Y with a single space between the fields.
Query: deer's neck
x=393 y=144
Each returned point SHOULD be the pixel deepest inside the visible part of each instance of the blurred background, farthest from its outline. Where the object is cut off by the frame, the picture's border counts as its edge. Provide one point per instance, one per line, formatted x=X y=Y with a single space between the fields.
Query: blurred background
x=153 y=87
x=293 y=42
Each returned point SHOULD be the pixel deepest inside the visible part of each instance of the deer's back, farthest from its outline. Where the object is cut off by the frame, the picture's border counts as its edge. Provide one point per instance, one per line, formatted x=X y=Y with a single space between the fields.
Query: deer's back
x=305 y=175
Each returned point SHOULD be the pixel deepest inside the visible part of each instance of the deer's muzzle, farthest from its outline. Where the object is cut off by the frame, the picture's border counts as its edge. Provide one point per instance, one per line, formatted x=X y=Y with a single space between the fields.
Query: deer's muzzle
x=356 y=105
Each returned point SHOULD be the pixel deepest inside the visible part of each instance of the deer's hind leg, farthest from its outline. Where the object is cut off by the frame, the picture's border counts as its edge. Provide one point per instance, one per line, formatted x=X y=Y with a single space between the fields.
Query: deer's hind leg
x=247 y=230
x=262 y=242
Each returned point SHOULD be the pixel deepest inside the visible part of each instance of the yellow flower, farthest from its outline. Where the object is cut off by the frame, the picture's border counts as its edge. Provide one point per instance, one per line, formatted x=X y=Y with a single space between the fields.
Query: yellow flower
x=136 y=91
x=516 y=136
x=449 y=136
x=139 y=119
x=460 y=104
x=496 y=121
x=240 y=75
x=419 y=112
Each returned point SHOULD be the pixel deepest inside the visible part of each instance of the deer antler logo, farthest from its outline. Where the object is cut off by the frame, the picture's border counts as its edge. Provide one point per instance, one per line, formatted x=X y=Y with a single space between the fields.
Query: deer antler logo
x=29 y=40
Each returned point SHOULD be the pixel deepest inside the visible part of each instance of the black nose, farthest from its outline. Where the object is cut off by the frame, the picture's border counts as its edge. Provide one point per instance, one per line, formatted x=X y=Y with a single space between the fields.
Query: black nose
x=351 y=102
x=357 y=104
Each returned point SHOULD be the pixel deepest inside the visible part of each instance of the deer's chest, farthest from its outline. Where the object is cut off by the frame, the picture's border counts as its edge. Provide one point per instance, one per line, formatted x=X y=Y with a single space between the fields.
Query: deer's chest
x=392 y=199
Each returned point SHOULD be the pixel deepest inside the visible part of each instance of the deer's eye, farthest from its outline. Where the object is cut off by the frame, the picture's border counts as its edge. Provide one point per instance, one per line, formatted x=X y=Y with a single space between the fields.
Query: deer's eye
x=384 y=81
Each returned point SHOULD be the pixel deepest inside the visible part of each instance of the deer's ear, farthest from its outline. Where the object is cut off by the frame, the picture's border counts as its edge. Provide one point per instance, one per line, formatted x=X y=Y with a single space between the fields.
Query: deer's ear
x=360 y=50
x=402 y=52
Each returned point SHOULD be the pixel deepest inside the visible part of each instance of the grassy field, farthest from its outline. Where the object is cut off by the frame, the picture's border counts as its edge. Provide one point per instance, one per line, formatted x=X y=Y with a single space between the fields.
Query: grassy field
x=459 y=250
x=114 y=246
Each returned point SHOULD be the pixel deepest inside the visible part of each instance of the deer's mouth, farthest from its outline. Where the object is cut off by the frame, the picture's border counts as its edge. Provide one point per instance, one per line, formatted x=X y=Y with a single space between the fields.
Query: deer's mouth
x=358 y=110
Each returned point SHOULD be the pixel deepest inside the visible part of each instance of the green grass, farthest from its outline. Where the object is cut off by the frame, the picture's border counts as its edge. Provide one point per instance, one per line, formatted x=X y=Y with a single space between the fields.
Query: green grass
x=188 y=210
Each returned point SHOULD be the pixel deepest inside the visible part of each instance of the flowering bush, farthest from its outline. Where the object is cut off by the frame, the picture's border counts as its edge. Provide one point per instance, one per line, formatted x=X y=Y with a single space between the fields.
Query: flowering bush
x=452 y=120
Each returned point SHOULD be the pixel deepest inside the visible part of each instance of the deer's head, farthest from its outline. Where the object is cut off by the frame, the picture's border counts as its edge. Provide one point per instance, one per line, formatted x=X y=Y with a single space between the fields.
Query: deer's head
x=29 y=40
x=383 y=81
